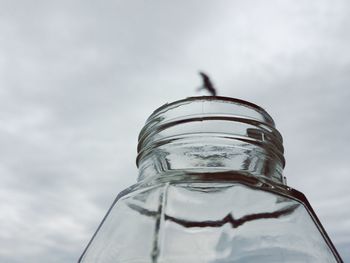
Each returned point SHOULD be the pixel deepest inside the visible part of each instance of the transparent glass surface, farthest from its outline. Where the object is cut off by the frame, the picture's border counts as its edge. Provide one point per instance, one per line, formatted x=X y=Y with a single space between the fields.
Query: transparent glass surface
x=210 y=190
x=201 y=220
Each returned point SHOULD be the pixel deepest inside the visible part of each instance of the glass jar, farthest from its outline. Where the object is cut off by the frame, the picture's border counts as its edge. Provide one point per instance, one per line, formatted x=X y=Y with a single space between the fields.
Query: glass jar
x=210 y=189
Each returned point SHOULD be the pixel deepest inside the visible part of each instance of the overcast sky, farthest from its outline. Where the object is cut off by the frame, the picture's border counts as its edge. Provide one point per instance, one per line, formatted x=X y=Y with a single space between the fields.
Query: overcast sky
x=79 y=78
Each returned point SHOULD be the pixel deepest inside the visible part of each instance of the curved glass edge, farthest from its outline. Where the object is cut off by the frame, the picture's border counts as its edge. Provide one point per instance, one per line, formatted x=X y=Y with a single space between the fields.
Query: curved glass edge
x=251 y=105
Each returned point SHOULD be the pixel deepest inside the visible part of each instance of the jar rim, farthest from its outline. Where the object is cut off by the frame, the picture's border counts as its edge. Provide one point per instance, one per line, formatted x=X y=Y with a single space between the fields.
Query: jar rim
x=235 y=101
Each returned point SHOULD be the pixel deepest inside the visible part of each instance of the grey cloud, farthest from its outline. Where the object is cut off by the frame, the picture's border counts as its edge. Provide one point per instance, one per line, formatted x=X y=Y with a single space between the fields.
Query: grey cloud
x=78 y=79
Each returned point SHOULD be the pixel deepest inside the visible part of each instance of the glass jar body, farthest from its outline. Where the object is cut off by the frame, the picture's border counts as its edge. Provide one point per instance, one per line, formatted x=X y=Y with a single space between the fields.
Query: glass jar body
x=209 y=217
x=210 y=190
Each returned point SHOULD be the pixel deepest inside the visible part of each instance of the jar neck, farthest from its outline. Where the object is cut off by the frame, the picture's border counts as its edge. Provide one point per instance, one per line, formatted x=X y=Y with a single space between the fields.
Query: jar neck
x=211 y=134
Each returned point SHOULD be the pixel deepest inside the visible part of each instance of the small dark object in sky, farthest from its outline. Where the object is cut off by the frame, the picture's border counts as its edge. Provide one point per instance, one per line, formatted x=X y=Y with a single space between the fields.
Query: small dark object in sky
x=207 y=84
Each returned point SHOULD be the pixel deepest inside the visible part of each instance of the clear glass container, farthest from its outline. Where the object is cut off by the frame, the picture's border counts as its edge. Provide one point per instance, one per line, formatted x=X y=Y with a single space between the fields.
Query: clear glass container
x=210 y=189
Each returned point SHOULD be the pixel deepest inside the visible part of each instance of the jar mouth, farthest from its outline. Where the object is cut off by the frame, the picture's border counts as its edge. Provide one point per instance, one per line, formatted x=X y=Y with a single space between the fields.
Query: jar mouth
x=203 y=118
x=227 y=100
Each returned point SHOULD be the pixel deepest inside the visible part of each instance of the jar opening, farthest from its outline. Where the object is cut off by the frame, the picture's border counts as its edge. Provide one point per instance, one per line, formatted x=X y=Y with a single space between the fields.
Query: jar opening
x=213 y=133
